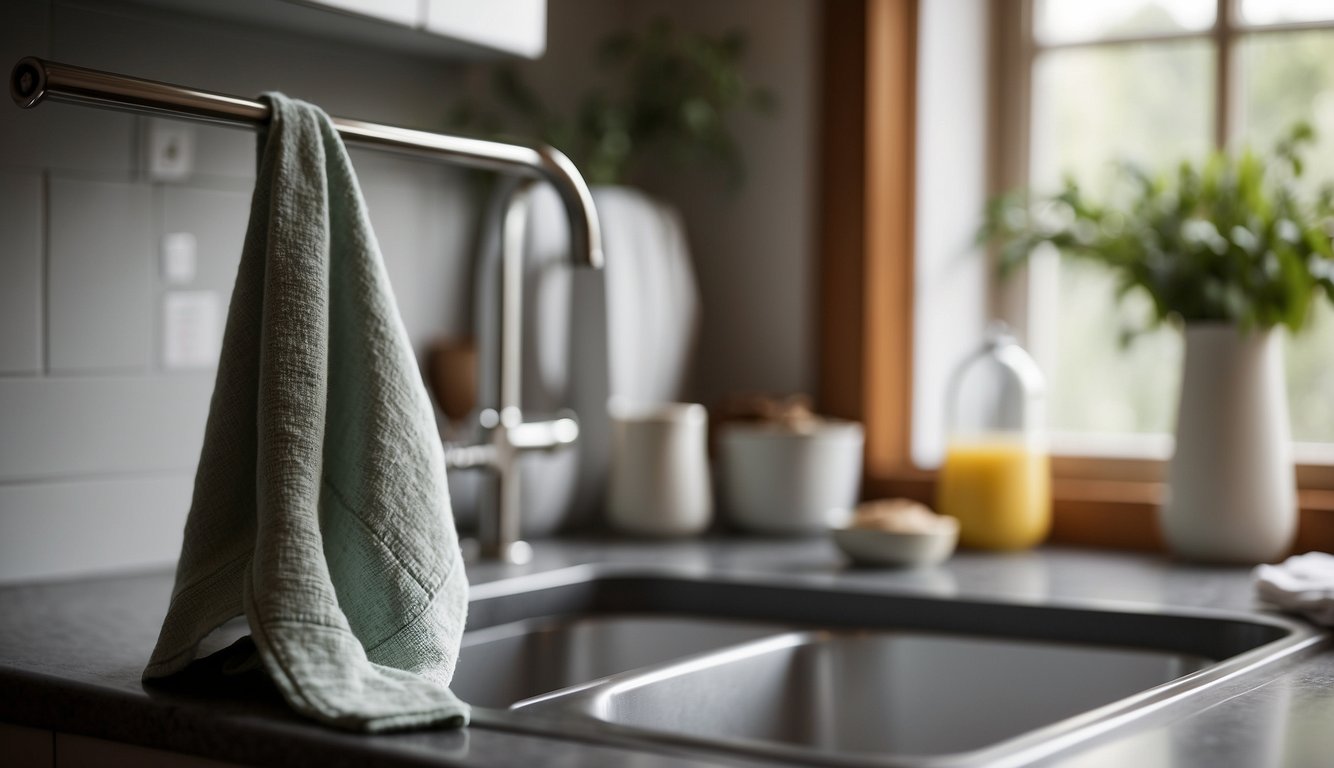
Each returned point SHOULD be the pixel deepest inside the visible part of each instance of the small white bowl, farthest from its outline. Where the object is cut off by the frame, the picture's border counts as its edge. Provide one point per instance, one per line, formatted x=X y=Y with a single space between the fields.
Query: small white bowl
x=780 y=481
x=869 y=546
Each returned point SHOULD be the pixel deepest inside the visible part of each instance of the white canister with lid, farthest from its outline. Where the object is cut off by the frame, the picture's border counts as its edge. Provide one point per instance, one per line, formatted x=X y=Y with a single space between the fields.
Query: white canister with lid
x=790 y=480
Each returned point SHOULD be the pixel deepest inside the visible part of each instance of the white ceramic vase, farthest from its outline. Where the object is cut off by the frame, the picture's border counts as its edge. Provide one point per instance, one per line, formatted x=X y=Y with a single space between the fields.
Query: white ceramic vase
x=1231 y=482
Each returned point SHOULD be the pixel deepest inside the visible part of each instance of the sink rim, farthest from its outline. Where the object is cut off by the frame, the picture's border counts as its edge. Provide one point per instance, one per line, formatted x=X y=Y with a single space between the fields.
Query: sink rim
x=566 y=712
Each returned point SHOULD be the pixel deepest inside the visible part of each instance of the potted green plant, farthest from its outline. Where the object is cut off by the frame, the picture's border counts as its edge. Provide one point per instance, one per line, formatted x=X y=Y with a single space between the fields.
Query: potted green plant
x=1230 y=250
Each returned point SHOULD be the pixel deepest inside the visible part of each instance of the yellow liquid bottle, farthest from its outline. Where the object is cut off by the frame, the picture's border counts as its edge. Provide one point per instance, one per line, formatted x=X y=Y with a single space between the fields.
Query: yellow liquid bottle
x=996 y=476
x=1000 y=491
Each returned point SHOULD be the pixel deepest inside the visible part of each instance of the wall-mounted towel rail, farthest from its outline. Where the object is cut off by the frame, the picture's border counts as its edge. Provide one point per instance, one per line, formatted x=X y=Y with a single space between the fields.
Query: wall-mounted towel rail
x=36 y=80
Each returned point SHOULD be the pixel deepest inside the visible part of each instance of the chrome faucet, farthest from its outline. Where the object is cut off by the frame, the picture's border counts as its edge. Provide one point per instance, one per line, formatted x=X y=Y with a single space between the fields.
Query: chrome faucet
x=505 y=435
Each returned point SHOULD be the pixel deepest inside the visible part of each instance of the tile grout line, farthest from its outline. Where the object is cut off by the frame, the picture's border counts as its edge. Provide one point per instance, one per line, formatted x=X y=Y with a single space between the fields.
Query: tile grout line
x=44 y=249
x=100 y=477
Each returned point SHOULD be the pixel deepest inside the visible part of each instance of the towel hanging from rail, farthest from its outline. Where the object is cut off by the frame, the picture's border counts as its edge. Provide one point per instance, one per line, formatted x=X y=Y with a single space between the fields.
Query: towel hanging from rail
x=320 y=508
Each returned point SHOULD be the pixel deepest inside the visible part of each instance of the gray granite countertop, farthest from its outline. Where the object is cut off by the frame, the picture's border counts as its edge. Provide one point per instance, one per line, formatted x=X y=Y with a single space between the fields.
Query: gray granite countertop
x=71 y=654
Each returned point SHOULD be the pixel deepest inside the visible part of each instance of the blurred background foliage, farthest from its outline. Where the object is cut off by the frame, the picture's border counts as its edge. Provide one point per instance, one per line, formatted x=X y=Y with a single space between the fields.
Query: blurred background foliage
x=664 y=98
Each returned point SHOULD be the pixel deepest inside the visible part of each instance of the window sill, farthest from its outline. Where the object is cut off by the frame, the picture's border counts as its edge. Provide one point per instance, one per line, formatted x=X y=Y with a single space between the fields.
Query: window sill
x=1113 y=514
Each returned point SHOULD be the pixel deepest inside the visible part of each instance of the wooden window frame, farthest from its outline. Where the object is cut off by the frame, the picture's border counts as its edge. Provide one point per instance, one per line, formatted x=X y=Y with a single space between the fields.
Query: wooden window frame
x=866 y=274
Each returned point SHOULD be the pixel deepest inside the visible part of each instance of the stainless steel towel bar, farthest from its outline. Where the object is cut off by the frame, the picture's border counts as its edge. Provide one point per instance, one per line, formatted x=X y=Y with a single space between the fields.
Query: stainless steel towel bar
x=36 y=80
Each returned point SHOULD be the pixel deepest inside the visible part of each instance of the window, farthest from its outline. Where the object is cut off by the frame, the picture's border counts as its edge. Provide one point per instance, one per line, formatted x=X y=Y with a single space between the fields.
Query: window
x=1157 y=81
x=1218 y=59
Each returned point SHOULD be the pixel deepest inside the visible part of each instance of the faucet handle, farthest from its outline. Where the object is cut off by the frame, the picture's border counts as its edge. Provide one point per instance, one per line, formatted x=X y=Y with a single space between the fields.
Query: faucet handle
x=469 y=456
x=545 y=435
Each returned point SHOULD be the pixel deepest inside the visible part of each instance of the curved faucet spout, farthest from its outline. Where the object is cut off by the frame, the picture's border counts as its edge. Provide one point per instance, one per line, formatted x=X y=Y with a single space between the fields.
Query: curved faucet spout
x=585 y=232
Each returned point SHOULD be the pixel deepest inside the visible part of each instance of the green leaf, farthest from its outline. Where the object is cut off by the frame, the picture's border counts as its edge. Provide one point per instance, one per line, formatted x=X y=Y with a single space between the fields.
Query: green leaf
x=1231 y=237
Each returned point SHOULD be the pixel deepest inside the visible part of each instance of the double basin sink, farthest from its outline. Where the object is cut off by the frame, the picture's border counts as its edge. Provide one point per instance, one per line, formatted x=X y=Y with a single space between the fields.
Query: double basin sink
x=784 y=671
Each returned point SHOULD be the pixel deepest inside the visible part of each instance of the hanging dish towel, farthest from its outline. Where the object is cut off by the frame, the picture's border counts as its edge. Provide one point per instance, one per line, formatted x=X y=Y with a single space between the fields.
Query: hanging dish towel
x=1303 y=584
x=320 y=508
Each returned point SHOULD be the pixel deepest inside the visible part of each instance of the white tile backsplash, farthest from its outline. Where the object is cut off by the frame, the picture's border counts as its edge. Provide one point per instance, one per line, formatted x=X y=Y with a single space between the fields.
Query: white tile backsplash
x=217 y=219
x=68 y=427
x=222 y=153
x=66 y=138
x=101 y=276
x=425 y=229
x=21 y=268
x=89 y=526
x=98 y=441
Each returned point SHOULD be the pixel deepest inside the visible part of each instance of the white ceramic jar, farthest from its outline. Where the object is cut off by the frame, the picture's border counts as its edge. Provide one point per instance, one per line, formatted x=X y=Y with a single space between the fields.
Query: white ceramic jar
x=659 y=476
x=776 y=479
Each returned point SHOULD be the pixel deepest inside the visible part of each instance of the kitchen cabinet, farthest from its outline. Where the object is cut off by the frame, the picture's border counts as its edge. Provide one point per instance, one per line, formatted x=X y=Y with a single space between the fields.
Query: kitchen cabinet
x=84 y=752
x=27 y=747
x=37 y=748
x=439 y=28
x=516 y=26
x=404 y=12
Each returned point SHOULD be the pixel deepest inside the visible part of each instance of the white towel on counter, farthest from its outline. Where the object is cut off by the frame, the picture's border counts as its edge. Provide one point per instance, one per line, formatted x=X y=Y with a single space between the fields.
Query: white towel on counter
x=1301 y=584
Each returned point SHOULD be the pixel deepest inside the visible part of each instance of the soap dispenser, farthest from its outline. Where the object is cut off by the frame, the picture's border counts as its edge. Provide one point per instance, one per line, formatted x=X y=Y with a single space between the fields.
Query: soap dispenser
x=996 y=477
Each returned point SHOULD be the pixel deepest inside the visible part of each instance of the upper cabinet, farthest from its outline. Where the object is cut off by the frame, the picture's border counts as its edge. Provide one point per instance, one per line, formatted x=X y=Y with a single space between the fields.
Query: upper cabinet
x=515 y=26
x=456 y=28
x=404 y=12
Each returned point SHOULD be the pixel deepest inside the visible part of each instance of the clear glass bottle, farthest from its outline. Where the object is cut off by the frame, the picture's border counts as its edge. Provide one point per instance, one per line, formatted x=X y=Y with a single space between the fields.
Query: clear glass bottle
x=996 y=478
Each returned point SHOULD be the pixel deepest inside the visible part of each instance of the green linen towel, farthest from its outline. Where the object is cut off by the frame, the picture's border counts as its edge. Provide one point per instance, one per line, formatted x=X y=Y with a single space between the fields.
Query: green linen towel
x=320 y=507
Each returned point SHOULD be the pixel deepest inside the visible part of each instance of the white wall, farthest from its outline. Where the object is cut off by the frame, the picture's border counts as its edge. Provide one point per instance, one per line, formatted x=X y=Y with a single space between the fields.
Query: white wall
x=753 y=248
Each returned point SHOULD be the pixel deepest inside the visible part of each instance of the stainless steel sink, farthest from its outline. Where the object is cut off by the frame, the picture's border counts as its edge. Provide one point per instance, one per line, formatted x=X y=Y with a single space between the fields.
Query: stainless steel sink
x=781 y=669
x=880 y=692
